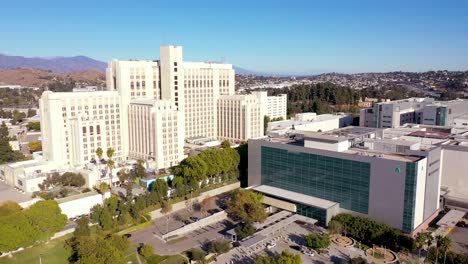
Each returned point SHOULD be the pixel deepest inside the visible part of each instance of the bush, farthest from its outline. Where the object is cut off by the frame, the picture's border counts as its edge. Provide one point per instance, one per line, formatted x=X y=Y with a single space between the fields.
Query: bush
x=220 y=246
x=85 y=190
x=358 y=260
x=244 y=230
x=146 y=250
x=317 y=242
x=196 y=254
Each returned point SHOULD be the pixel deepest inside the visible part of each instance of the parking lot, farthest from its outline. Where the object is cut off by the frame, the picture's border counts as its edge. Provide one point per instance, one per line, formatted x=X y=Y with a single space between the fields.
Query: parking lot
x=459 y=237
x=8 y=192
x=198 y=238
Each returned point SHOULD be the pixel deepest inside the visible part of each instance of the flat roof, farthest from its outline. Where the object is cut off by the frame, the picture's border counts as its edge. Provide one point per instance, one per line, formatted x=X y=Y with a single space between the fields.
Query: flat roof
x=430 y=134
x=451 y=218
x=295 y=196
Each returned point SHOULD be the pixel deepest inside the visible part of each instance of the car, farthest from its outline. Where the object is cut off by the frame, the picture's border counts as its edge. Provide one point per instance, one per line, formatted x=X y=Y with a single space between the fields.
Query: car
x=195 y=219
x=127 y=235
x=308 y=253
x=462 y=224
x=295 y=247
x=271 y=245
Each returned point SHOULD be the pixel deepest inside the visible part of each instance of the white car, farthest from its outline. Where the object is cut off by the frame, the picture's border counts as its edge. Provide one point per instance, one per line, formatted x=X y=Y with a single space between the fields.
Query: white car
x=308 y=253
x=271 y=245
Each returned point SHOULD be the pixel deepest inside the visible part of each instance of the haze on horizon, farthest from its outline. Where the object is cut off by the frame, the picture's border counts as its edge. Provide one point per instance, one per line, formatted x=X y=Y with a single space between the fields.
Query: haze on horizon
x=302 y=37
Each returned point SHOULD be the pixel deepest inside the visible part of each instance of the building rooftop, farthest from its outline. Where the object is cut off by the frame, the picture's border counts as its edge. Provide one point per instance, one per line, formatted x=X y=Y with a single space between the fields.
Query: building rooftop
x=430 y=134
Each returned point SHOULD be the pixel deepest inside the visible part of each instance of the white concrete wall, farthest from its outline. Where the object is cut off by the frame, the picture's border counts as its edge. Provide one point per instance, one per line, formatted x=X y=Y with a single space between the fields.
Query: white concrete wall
x=80 y=206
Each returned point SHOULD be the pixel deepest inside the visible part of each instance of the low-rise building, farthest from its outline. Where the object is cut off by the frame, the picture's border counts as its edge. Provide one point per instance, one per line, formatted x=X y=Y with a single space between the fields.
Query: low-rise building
x=309 y=122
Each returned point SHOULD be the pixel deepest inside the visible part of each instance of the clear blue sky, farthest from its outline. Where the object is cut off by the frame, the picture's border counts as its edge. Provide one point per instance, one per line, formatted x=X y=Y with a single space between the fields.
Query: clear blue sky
x=268 y=36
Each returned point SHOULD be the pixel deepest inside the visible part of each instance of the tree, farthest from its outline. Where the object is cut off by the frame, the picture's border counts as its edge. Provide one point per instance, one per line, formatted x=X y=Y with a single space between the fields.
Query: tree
x=166 y=207
x=146 y=250
x=421 y=241
x=196 y=254
x=160 y=187
x=335 y=227
x=6 y=152
x=225 y=144
x=317 y=242
x=16 y=231
x=110 y=165
x=99 y=153
x=207 y=204
x=105 y=220
x=244 y=230
x=83 y=227
x=35 y=126
x=46 y=217
x=103 y=188
x=31 y=112
x=220 y=246
x=182 y=216
x=140 y=170
x=72 y=179
x=120 y=242
x=35 y=146
x=285 y=257
x=123 y=175
x=246 y=206
x=95 y=250
x=9 y=207
x=129 y=193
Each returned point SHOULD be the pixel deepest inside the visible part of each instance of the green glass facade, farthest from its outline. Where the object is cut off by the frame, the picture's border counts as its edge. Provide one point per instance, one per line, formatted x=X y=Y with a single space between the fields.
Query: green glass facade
x=333 y=179
x=312 y=212
x=410 y=196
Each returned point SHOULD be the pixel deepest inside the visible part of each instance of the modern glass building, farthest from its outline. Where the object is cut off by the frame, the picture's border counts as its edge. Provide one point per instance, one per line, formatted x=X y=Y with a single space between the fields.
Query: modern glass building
x=324 y=176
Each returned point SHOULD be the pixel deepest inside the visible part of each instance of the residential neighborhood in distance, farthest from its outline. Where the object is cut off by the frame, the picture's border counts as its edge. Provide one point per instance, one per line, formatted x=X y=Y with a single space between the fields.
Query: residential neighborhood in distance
x=187 y=136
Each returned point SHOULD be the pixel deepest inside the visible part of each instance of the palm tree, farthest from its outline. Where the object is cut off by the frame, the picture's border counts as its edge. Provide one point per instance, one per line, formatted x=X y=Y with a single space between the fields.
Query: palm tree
x=421 y=241
x=444 y=243
x=99 y=153
x=103 y=188
x=110 y=162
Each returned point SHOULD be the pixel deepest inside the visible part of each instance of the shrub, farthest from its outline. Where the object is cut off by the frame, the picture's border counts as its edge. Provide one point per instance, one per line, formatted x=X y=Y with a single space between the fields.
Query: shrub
x=196 y=254
x=146 y=250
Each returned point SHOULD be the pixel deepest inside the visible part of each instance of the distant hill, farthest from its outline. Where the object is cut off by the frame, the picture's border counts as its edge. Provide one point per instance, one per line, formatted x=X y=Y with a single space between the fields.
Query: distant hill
x=41 y=78
x=56 y=64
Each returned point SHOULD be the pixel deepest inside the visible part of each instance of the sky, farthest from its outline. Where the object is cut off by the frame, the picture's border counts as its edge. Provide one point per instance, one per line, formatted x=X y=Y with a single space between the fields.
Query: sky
x=289 y=37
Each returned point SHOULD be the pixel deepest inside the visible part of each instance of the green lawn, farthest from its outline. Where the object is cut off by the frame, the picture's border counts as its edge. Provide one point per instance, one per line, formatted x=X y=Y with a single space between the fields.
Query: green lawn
x=52 y=253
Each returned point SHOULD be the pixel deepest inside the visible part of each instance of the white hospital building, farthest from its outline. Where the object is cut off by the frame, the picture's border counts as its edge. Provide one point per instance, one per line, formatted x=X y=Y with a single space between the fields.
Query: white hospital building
x=149 y=109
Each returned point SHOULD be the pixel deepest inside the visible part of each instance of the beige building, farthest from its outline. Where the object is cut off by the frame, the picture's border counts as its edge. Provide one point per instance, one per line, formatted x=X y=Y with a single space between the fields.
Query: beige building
x=75 y=124
x=156 y=130
x=240 y=117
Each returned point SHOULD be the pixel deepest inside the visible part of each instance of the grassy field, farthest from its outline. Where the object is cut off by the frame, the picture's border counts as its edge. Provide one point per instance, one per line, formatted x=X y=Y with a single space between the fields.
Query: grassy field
x=55 y=253
x=52 y=253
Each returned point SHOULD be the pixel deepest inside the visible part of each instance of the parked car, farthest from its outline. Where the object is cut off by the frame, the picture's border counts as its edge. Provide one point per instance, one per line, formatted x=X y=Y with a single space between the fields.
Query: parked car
x=127 y=235
x=271 y=245
x=462 y=224
x=195 y=219
x=308 y=253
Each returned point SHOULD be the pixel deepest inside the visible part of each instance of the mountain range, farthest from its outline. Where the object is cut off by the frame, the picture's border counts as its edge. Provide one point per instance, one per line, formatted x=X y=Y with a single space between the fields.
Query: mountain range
x=70 y=64
x=55 y=64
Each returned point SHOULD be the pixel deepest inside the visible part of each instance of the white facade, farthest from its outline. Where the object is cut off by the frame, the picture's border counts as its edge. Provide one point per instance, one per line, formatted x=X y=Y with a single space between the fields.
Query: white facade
x=240 y=117
x=310 y=122
x=74 y=125
x=275 y=106
x=156 y=132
